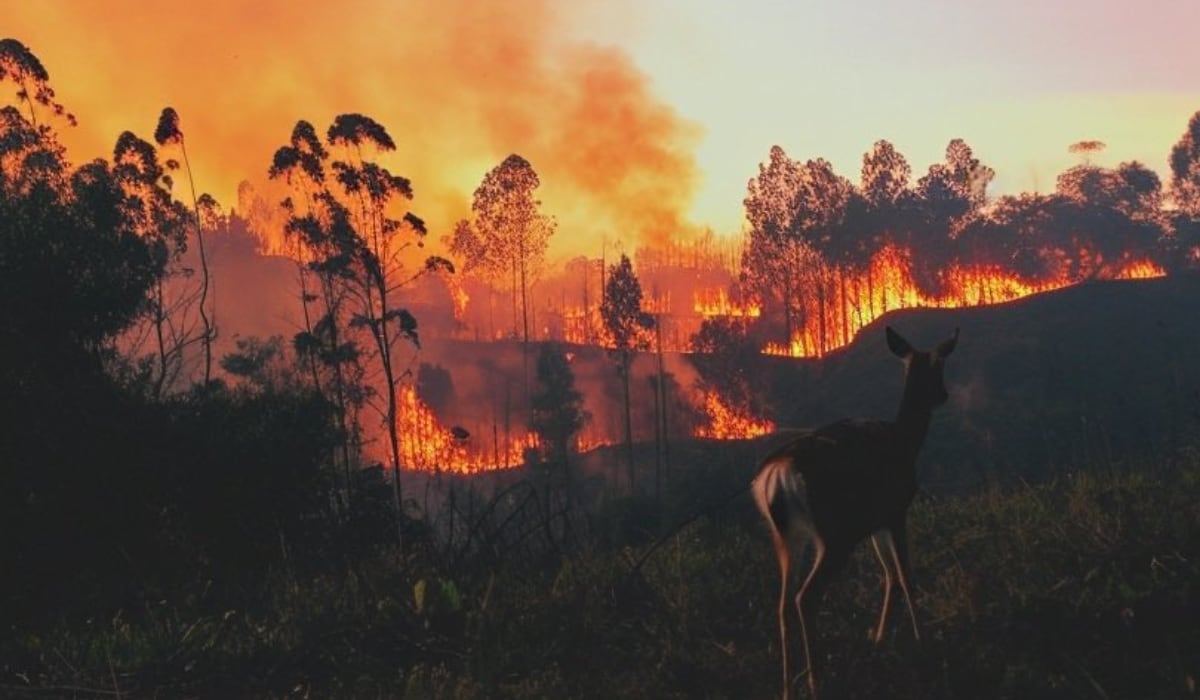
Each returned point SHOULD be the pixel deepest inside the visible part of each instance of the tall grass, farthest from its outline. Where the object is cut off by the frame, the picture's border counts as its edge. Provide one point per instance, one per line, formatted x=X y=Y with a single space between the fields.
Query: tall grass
x=1087 y=586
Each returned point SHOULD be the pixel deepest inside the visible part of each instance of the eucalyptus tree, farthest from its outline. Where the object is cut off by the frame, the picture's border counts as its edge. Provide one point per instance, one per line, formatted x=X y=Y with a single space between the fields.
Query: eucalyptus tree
x=20 y=66
x=351 y=230
x=149 y=207
x=168 y=133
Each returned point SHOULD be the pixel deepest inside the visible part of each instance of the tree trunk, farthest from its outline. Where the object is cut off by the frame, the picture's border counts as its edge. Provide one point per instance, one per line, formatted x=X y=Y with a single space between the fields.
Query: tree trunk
x=205 y=321
x=627 y=367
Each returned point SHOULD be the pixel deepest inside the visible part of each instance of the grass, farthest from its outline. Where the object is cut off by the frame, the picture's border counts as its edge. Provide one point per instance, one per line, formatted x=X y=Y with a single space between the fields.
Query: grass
x=1087 y=586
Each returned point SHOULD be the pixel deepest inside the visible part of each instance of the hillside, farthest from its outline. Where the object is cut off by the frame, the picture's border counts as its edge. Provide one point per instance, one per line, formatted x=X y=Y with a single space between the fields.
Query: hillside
x=1095 y=373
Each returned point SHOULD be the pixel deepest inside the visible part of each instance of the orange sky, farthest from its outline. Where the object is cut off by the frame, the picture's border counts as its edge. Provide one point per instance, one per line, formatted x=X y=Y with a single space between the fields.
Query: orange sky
x=459 y=85
x=640 y=117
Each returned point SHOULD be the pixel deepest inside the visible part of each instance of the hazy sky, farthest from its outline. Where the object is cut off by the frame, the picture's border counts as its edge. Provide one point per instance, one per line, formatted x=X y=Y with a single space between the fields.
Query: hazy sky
x=1019 y=80
x=658 y=109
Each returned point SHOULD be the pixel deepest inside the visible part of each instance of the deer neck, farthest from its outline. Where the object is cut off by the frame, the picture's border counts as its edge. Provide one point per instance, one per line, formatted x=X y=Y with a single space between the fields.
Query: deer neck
x=912 y=424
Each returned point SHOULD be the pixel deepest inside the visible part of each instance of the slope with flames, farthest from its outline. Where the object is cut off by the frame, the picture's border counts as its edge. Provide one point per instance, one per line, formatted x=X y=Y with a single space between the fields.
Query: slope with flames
x=1098 y=372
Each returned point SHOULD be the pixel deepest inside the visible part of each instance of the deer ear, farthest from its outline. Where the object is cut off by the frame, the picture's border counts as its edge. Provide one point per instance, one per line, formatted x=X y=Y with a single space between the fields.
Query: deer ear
x=899 y=346
x=946 y=347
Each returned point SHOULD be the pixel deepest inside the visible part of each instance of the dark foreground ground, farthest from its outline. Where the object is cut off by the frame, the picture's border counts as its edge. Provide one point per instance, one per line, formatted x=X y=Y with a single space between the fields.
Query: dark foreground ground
x=1084 y=586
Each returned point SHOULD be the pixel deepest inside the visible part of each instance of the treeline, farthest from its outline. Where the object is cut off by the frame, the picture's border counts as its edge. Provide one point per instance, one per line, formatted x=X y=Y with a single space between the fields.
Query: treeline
x=814 y=235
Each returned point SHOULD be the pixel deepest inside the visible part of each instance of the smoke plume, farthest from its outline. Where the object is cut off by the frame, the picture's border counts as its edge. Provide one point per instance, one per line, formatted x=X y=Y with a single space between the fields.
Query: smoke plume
x=459 y=84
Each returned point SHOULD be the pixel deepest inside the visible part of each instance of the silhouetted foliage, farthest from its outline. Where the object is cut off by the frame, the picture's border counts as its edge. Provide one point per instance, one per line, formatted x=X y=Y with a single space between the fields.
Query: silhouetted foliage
x=557 y=406
x=626 y=324
x=1185 y=169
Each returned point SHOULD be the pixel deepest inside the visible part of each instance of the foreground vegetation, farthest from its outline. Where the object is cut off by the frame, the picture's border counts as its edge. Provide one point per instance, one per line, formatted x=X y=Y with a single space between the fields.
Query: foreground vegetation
x=1085 y=586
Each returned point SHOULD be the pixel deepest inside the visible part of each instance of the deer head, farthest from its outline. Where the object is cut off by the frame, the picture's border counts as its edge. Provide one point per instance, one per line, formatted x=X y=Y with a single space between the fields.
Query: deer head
x=924 y=386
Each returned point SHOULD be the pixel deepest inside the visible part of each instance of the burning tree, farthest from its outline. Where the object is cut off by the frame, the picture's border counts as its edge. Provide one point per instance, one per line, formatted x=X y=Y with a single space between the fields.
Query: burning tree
x=508 y=233
x=774 y=258
x=626 y=324
x=947 y=195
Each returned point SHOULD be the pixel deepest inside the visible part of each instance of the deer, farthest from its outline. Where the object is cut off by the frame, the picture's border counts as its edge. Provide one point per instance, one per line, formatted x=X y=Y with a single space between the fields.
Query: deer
x=837 y=485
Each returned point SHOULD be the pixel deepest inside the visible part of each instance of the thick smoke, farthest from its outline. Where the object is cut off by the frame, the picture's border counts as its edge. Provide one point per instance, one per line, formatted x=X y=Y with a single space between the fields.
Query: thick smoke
x=460 y=85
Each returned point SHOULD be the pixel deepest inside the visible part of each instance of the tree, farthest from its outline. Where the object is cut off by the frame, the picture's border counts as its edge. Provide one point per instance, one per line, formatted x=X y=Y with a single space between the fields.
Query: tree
x=356 y=245
x=774 y=256
x=1108 y=216
x=627 y=325
x=22 y=67
x=885 y=176
x=882 y=210
x=557 y=408
x=509 y=233
x=970 y=177
x=1085 y=149
x=1185 y=169
x=147 y=203
x=948 y=194
x=168 y=132
x=821 y=207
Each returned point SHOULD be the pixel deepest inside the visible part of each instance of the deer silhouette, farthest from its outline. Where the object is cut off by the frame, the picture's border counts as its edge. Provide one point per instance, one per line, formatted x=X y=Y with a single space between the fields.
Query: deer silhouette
x=837 y=485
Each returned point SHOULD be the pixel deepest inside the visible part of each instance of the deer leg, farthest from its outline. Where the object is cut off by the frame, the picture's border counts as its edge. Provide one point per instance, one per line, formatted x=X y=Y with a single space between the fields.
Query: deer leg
x=781 y=551
x=806 y=600
x=900 y=554
x=888 y=583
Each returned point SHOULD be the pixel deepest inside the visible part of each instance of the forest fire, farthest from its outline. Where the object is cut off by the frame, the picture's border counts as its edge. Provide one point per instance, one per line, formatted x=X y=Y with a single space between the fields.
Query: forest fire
x=852 y=302
x=820 y=258
x=726 y=423
x=429 y=446
x=710 y=303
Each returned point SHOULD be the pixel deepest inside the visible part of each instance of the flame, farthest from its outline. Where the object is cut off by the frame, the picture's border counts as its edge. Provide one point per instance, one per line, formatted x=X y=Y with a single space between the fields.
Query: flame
x=728 y=423
x=427 y=445
x=853 y=301
x=1140 y=270
x=657 y=304
x=716 y=302
x=458 y=294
